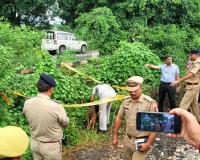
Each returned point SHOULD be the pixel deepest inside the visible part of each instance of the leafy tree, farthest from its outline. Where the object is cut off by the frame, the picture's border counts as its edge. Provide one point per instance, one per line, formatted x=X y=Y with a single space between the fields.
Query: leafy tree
x=169 y=40
x=26 y=12
x=100 y=28
x=72 y=9
x=128 y=12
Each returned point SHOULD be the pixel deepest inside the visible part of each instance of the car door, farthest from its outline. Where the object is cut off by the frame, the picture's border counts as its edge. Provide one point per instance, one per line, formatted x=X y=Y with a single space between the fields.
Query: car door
x=48 y=42
x=75 y=43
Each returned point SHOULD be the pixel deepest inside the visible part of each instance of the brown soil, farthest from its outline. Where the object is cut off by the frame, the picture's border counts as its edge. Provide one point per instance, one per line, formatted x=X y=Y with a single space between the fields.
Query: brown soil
x=163 y=148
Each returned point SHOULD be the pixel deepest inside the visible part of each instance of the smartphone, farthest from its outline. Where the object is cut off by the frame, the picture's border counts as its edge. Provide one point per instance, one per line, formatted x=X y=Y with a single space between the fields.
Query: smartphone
x=158 y=122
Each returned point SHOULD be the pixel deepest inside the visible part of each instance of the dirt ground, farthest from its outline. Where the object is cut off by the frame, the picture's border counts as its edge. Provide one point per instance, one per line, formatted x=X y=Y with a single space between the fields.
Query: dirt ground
x=163 y=149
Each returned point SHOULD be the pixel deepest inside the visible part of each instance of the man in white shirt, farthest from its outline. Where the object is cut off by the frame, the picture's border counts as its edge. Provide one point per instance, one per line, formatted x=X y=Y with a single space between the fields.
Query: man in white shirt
x=103 y=91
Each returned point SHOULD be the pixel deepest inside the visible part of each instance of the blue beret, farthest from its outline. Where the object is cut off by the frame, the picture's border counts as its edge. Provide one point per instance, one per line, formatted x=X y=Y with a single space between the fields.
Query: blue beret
x=195 y=51
x=48 y=79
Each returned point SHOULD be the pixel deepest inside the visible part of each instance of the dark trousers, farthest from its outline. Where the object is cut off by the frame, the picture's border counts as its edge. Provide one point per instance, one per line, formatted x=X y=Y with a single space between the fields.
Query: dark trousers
x=199 y=98
x=164 y=89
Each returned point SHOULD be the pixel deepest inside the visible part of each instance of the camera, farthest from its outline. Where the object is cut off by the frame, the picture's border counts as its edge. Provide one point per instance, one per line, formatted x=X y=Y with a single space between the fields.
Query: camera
x=158 y=122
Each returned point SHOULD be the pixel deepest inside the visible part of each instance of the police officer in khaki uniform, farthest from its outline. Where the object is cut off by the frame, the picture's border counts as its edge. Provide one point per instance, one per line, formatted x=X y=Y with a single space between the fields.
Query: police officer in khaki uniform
x=130 y=106
x=192 y=80
x=46 y=119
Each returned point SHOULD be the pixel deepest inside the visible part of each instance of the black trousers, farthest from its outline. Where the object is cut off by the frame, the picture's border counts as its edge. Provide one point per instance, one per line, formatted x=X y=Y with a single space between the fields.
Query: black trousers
x=164 y=89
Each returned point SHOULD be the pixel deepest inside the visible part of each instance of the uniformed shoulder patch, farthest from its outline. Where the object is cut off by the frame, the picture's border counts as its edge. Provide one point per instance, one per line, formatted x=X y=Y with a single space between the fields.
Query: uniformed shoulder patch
x=126 y=100
x=59 y=102
x=126 y=97
x=26 y=98
x=148 y=98
x=197 y=62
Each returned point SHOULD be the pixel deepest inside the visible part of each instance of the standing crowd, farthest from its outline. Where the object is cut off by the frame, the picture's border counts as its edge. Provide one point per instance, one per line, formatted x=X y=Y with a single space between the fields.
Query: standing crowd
x=47 y=117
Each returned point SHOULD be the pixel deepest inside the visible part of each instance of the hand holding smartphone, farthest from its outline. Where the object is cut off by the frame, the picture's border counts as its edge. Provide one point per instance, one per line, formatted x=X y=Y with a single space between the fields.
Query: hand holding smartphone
x=158 y=122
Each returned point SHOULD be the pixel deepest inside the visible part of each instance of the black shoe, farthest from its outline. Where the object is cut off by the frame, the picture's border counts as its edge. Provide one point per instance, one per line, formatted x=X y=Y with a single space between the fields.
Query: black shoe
x=101 y=131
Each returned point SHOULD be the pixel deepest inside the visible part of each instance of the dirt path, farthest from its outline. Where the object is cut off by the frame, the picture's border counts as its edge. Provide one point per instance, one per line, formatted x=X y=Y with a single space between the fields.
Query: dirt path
x=163 y=149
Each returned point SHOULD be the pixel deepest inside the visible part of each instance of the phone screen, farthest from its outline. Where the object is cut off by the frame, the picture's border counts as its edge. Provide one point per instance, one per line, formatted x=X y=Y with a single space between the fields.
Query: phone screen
x=158 y=122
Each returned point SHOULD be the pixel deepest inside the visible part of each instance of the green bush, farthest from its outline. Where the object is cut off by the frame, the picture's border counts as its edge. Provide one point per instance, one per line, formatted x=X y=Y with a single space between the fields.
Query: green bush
x=128 y=60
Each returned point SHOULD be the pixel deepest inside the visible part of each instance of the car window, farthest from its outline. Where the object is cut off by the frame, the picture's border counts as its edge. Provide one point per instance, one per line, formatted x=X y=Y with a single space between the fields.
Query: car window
x=50 y=35
x=62 y=36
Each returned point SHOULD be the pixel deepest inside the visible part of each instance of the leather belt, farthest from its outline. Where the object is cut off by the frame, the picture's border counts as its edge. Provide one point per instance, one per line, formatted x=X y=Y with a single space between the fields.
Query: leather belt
x=50 y=141
x=47 y=141
x=168 y=83
x=131 y=137
x=192 y=83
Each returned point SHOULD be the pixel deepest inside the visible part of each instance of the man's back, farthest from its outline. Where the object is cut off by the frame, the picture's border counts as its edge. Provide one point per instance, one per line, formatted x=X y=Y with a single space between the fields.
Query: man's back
x=45 y=117
x=103 y=91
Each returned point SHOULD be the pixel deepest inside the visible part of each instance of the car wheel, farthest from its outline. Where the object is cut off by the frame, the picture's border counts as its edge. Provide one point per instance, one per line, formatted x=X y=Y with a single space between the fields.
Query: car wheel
x=62 y=49
x=52 y=52
x=83 y=49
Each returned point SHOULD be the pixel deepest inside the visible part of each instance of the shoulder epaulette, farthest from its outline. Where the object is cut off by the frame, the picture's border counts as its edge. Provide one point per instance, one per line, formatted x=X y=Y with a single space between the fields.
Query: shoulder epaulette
x=198 y=61
x=126 y=97
x=59 y=102
x=148 y=98
x=26 y=98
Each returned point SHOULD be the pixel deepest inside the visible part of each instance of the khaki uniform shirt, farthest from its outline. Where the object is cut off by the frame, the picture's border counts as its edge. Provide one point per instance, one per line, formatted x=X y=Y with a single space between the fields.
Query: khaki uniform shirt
x=46 y=118
x=195 y=69
x=129 y=109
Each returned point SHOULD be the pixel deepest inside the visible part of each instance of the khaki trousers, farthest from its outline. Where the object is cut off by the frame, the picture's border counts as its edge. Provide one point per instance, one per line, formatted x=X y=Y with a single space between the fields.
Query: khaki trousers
x=190 y=99
x=130 y=152
x=46 y=151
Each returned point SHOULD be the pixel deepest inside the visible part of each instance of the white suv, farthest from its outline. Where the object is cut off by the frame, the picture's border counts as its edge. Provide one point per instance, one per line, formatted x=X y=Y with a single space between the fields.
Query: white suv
x=60 y=41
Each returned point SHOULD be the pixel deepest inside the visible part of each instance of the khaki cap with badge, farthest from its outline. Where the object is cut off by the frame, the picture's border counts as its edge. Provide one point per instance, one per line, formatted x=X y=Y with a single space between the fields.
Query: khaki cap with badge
x=133 y=83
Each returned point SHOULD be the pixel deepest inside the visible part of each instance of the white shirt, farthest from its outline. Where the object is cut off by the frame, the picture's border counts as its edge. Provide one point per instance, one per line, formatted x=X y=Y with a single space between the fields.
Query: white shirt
x=103 y=91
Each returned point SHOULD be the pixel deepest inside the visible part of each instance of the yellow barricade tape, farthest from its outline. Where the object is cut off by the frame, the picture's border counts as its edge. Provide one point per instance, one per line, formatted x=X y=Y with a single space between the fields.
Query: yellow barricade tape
x=119 y=87
x=5 y=98
x=105 y=100
x=91 y=78
x=20 y=94
x=78 y=72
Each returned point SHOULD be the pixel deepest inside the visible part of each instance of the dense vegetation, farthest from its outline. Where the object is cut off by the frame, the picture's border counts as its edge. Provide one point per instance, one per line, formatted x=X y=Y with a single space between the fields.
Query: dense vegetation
x=128 y=34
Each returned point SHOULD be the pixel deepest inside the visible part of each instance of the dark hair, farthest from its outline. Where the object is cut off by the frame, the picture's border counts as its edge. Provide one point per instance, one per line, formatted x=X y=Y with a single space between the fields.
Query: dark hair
x=42 y=86
x=166 y=57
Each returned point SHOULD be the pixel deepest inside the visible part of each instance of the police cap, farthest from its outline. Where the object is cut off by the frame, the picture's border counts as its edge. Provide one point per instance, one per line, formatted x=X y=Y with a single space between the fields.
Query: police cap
x=195 y=51
x=48 y=79
x=133 y=83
